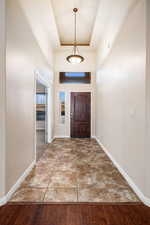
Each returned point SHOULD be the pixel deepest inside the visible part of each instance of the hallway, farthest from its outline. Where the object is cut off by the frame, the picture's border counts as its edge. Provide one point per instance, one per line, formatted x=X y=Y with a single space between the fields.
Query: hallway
x=74 y=170
x=75 y=112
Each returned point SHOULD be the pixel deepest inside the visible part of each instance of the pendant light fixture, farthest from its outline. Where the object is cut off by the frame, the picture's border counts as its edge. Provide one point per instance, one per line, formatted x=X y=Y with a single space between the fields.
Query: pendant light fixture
x=75 y=58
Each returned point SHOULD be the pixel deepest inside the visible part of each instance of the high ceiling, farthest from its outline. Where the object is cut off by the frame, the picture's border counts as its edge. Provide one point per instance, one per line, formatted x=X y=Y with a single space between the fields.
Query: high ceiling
x=63 y=12
x=98 y=22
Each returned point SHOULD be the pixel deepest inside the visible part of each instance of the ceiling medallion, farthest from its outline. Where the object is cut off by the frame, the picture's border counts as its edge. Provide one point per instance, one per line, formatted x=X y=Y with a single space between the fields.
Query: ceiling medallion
x=75 y=57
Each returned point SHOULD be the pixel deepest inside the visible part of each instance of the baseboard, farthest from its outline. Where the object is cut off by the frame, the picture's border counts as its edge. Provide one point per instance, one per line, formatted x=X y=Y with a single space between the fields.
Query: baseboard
x=7 y=197
x=94 y=137
x=3 y=201
x=136 y=189
x=51 y=140
x=61 y=136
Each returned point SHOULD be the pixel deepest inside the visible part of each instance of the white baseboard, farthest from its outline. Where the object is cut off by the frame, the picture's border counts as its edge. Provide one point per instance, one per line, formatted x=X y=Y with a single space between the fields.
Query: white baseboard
x=51 y=140
x=136 y=189
x=94 y=137
x=7 y=197
x=3 y=201
x=61 y=136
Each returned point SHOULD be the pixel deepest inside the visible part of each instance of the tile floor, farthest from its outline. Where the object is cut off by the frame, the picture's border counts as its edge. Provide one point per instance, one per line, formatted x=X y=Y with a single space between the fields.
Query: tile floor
x=74 y=170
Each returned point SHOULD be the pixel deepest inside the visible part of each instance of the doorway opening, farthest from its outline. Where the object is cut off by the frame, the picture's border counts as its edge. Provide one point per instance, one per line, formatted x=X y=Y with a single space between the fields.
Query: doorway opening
x=41 y=119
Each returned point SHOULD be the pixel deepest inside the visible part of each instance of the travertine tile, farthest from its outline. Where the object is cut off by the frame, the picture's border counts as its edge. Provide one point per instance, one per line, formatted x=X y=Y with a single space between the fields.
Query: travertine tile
x=93 y=195
x=63 y=179
x=106 y=195
x=71 y=166
x=29 y=195
x=37 y=180
x=61 y=195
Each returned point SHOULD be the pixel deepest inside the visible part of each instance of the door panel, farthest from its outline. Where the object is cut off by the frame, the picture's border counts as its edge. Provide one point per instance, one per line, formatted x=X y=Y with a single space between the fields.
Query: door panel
x=80 y=114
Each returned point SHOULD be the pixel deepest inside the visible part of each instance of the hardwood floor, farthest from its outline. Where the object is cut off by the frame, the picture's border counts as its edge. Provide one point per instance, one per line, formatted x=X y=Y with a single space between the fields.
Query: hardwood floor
x=75 y=214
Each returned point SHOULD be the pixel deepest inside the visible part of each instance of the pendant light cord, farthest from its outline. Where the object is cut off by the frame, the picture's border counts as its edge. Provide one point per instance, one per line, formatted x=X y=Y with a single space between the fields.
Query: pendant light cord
x=75 y=57
x=75 y=30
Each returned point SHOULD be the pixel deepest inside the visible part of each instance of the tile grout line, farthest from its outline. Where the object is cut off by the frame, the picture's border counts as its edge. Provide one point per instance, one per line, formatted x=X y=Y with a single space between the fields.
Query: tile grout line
x=46 y=190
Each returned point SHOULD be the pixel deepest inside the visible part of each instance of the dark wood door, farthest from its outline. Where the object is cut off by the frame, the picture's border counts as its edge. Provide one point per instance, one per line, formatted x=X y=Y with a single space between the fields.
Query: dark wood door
x=80 y=114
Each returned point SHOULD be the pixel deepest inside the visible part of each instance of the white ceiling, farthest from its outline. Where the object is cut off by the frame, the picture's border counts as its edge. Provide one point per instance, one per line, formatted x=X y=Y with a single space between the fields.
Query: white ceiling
x=39 y=15
x=98 y=21
x=109 y=19
x=63 y=11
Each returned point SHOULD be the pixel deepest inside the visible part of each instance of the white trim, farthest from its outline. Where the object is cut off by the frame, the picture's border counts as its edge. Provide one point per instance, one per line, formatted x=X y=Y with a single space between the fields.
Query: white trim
x=61 y=137
x=48 y=84
x=51 y=140
x=49 y=113
x=2 y=98
x=94 y=137
x=3 y=201
x=34 y=121
x=136 y=189
x=7 y=197
x=43 y=80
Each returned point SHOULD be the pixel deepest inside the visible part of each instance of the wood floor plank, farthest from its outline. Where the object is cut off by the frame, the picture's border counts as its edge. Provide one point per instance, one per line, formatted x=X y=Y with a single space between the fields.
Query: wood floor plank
x=116 y=216
x=74 y=214
x=93 y=214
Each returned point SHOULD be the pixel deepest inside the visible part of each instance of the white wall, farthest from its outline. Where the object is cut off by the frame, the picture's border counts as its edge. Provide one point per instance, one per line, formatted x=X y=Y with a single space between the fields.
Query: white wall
x=43 y=25
x=61 y=65
x=2 y=97
x=23 y=58
x=120 y=111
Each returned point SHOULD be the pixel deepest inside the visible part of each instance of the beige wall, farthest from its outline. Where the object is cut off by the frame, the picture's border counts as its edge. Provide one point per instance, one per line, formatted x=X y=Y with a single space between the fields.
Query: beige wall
x=2 y=97
x=120 y=112
x=23 y=58
x=147 y=163
x=61 y=65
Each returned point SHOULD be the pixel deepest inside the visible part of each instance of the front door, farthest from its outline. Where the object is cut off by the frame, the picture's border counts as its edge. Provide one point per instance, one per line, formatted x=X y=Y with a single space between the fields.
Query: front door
x=80 y=114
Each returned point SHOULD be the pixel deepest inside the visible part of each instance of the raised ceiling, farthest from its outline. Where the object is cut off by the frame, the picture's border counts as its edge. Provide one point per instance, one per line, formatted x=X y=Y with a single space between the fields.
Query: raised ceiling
x=99 y=22
x=65 y=20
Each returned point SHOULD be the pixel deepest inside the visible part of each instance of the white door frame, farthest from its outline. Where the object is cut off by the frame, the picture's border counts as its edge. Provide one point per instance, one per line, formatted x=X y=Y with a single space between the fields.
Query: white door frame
x=48 y=84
